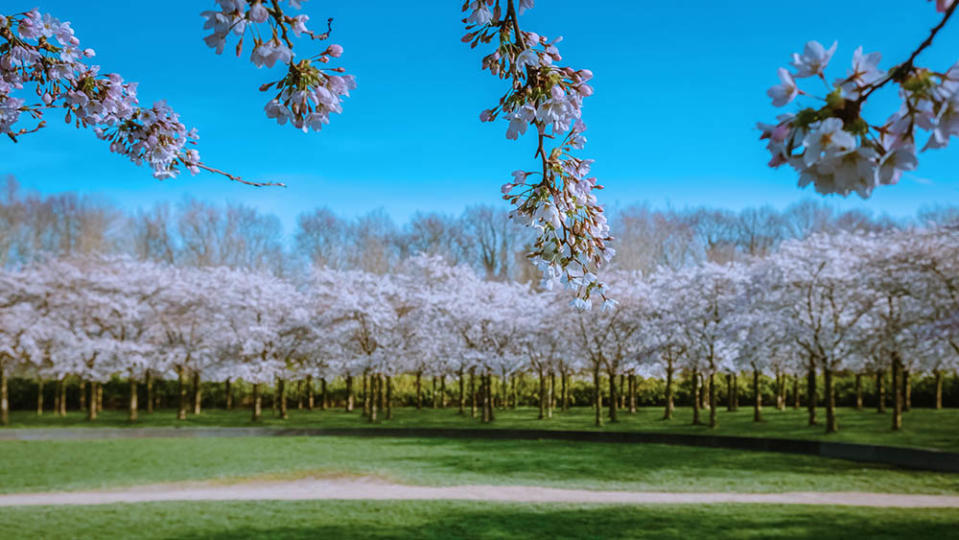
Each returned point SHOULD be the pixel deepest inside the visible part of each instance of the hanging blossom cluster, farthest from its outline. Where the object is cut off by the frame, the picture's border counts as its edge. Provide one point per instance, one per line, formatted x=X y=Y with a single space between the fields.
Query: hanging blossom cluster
x=42 y=54
x=832 y=146
x=308 y=93
x=558 y=198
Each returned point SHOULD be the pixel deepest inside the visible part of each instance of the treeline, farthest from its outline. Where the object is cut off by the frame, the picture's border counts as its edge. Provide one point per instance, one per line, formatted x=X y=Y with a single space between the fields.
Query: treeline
x=198 y=233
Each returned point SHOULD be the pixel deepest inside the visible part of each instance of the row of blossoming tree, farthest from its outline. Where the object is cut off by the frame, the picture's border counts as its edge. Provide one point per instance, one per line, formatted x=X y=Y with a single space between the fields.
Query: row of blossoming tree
x=868 y=304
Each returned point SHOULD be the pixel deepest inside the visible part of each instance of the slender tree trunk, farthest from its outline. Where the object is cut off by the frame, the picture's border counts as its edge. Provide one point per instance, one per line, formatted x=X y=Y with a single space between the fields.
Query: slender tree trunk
x=380 y=392
x=938 y=375
x=811 y=394
x=551 y=394
x=491 y=397
x=257 y=403
x=564 y=378
x=780 y=391
x=133 y=399
x=92 y=404
x=366 y=395
x=729 y=392
x=419 y=390
x=83 y=395
x=389 y=397
x=181 y=390
x=374 y=387
x=735 y=392
x=897 y=393
x=443 y=401
x=4 y=398
x=310 y=395
x=324 y=396
x=512 y=389
x=632 y=393
x=99 y=397
x=56 y=397
x=858 y=391
x=757 y=398
x=832 y=425
x=472 y=393
x=435 y=395
x=597 y=396
x=613 y=398
x=542 y=395
x=907 y=391
x=62 y=410
x=485 y=398
x=148 y=381
x=197 y=393
x=299 y=394
x=668 y=413
x=713 y=421
x=795 y=392
x=39 y=397
x=281 y=395
x=462 y=397
x=228 y=392
x=880 y=391
x=695 y=397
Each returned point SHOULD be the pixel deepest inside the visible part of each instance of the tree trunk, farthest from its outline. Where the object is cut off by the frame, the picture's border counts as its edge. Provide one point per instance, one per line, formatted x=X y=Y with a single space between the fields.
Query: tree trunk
x=281 y=395
x=310 y=395
x=811 y=394
x=552 y=393
x=39 y=397
x=484 y=398
x=374 y=387
x=380 y=402
x=462 y=400
x=435 y=395
x=703 y=396
x=880 y=391
x=419 y=390
x=472 y=393
x=780 y=391
x=324 y=396
x=389 y=397
x=757 y=398
x=597 y=396
x=796 y=392
x=148 y=380
x=729 y=392
x=491 y=397
x=542 y=395
x=4 y=398
x=181 y=390
x=99 y=397
x=133 y=399
x=907 y=391
x=668 y=413
x=896 y=393
x=197 y=394
x=695 y=397
x=366 y=395
x=632 y=393
x=299 y=395
x=83 y=395
x=56 y=397
x=858 y=391
x=735 y=392
x=613 y=398
x=62 y=411
x=713 y=422
x=831 y=425
x=443 y=402
x=228 y=392
x=564 y=381
x=92 y=402
x=938 y=375
x=512 y=386
x=257 y=403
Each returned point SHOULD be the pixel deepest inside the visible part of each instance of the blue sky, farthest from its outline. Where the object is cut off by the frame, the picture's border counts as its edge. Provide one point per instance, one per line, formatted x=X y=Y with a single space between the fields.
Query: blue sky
x=679 y=88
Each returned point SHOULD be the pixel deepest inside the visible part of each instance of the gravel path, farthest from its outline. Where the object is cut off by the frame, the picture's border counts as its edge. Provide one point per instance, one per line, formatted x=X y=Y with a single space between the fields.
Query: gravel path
x=374 y=488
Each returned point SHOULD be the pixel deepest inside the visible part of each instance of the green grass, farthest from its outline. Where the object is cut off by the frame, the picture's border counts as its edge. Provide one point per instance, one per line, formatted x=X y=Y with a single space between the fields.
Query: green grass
x=922 y=428
x=71 y=465
x=453 y=519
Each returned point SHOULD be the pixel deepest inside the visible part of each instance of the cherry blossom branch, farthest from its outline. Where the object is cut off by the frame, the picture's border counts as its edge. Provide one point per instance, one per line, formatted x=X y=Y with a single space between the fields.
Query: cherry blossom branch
x=237 y=178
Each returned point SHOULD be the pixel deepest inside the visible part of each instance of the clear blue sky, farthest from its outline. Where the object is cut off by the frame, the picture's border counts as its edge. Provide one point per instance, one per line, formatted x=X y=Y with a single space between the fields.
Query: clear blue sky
x=679 y=87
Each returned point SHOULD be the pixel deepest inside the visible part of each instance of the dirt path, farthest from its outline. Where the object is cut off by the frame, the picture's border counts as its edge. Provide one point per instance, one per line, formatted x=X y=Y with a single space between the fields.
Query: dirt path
x=374 y=488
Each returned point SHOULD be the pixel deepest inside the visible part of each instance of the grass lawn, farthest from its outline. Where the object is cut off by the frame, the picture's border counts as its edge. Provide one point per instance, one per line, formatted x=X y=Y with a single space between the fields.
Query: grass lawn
x=923 y=428
x=94 y=464
x=453 y=519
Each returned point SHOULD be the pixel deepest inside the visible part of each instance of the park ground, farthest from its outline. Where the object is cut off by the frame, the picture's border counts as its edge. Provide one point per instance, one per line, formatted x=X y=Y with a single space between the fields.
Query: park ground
x=95 y=464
